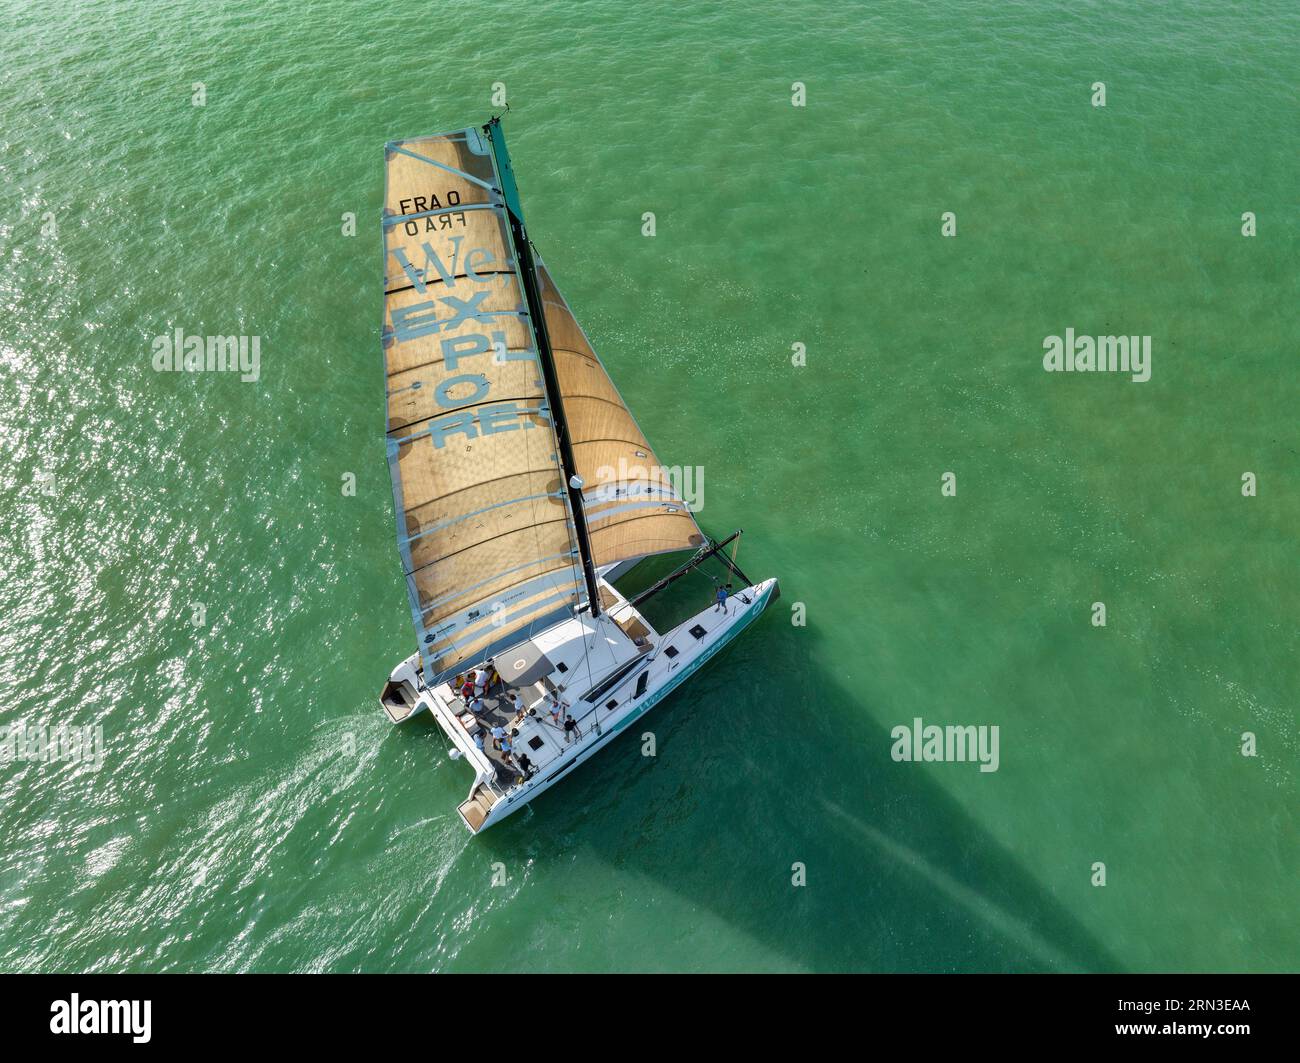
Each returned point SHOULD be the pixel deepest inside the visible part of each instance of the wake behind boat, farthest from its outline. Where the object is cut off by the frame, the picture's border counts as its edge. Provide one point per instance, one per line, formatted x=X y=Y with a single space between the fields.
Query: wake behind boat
x=500 y=415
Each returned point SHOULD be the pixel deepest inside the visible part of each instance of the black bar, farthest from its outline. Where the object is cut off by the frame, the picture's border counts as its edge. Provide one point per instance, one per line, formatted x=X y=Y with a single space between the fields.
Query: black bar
x=307 y=1015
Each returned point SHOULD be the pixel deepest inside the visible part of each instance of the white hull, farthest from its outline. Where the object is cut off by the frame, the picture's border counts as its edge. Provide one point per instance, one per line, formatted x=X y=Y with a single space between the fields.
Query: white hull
x=606 y=702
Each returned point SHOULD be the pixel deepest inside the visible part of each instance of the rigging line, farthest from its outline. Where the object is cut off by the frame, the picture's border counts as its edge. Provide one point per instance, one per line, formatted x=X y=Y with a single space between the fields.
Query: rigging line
x=579 y=578
x=553 y=457
x=575 y=567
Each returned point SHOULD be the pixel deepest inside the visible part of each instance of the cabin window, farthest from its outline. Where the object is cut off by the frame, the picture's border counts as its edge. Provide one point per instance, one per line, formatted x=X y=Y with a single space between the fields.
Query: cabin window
x=535 y=743
x=698 y=631
x=670 y=652
x=641 y=684
x=612 y=703
x=561 y=667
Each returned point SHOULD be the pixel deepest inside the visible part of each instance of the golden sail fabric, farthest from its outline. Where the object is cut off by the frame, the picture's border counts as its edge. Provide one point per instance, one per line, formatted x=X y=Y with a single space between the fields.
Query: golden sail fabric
x=484 y=530
x=631 y=504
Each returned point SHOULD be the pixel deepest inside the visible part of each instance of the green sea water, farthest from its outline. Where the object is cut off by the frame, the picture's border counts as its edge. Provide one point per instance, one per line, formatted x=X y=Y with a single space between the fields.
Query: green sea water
x=180 y=566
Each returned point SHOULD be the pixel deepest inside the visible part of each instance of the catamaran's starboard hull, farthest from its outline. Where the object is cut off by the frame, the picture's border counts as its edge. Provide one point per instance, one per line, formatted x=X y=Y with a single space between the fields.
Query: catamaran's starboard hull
x=762 y=595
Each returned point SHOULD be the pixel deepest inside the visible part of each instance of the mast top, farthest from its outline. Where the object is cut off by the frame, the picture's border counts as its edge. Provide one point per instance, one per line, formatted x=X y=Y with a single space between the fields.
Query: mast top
x=509 y=190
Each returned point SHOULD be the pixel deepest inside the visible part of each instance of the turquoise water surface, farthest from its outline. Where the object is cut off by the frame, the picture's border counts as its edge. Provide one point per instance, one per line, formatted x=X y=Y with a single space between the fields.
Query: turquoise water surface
x=182 y=568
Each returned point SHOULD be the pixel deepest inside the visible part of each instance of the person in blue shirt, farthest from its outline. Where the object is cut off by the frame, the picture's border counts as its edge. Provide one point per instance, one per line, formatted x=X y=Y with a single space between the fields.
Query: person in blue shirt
x=722 y=598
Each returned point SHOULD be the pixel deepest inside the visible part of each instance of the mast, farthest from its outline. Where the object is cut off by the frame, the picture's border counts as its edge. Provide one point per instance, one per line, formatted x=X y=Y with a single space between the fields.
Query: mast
x=528 y=278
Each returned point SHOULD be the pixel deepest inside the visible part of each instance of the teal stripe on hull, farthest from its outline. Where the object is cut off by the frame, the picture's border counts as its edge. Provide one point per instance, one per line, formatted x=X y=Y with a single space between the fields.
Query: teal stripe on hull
x=695 y=665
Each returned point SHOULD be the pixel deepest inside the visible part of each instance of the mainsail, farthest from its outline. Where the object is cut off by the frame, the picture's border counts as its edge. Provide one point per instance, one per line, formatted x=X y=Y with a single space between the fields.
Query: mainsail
x=486 y=529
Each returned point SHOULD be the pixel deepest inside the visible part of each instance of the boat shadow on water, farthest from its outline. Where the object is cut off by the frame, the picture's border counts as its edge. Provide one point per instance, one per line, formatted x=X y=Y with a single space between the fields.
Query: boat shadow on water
x=766 y=766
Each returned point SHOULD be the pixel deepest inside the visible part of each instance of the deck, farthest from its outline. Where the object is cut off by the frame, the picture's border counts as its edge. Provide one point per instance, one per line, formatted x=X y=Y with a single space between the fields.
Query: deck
x=640 y=670
x=532 y=729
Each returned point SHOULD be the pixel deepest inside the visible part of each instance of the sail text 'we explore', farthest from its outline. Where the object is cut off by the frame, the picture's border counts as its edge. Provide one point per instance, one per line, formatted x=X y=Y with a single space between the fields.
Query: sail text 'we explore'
x=461 y=387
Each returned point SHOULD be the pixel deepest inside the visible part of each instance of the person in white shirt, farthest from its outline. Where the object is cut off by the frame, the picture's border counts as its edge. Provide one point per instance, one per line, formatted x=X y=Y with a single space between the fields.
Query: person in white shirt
x=556 y=706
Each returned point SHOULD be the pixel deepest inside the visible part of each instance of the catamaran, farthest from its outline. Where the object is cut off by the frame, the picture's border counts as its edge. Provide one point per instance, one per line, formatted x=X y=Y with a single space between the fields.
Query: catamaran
x=524 y=489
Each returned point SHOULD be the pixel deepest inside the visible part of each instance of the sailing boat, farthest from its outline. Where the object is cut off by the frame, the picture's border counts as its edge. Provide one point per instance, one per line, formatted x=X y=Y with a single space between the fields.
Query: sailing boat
x=523 y=490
